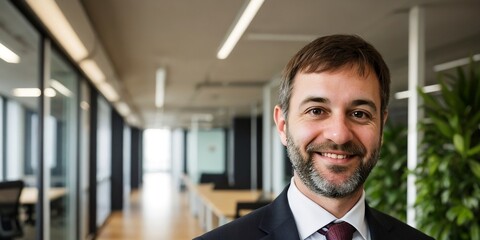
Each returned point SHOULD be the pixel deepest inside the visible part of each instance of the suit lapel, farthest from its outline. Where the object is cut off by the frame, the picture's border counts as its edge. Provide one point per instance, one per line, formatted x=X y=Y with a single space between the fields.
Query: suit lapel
x=278 y=222
x=379 y=227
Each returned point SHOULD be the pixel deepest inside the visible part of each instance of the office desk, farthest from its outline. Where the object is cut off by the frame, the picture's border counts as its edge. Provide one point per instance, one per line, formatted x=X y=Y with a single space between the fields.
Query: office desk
x=29 y=198
x=30 y=195
x=216 y=207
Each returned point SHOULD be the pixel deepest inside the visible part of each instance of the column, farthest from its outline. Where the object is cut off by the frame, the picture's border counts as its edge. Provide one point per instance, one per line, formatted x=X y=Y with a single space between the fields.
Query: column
x=416 y=78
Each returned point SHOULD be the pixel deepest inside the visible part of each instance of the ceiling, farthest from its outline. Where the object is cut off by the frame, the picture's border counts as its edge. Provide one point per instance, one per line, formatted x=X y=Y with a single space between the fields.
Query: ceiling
x=183 y=37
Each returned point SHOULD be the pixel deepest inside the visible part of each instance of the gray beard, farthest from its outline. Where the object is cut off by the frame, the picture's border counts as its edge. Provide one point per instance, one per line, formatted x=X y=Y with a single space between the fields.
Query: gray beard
x=317 y=183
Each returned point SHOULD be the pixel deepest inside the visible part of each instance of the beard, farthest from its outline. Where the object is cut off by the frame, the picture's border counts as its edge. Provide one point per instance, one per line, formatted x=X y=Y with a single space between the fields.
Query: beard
x=313 y=179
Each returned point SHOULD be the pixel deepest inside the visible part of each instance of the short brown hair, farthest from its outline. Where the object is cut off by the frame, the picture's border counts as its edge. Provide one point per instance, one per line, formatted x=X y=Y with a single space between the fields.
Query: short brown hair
x=331 y=53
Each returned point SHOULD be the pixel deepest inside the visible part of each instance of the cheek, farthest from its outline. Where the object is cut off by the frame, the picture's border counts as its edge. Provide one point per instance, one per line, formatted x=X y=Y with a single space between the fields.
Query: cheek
x=303 y=134
x=370 y=139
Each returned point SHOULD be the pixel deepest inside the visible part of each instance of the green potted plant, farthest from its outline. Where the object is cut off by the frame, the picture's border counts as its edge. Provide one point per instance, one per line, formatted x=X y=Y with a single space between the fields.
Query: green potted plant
x=386 y=187
x=448 y=173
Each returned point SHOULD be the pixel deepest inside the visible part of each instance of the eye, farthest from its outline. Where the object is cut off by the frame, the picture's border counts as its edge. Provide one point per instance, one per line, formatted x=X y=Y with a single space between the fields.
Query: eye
x=315 y=111
x=361 y=115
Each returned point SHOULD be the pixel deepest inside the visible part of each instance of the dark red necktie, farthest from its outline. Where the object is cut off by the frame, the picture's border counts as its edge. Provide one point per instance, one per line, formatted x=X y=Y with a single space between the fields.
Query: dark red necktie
x=338 y=231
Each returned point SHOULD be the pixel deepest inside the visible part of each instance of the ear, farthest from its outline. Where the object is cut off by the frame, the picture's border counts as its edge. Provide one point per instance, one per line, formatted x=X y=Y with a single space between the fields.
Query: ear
x=281 y=124
x=385 y=116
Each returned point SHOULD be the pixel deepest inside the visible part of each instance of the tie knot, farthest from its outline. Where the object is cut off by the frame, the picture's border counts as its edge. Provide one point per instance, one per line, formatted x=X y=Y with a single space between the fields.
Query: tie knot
x=339 y=231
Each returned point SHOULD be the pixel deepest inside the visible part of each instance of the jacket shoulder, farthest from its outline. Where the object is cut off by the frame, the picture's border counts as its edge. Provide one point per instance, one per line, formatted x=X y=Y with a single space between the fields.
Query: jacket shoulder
x=383 y=225
x=245 y=227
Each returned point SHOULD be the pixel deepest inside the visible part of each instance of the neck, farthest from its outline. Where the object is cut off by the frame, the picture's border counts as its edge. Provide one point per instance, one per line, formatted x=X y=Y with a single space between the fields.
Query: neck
x=336 y=206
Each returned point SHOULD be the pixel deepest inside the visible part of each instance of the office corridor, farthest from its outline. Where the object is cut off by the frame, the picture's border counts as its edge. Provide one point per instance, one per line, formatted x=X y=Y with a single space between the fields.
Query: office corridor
x=158 y=211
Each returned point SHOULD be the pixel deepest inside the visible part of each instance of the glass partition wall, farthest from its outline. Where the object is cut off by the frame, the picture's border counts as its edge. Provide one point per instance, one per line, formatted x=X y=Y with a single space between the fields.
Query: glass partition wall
x=30 y=137
x=20 y=108
x=60 y=144
x=50 y=119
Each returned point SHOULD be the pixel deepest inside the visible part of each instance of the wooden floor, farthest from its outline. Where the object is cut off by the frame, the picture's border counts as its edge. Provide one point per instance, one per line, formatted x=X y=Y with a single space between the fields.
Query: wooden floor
x=158 y=212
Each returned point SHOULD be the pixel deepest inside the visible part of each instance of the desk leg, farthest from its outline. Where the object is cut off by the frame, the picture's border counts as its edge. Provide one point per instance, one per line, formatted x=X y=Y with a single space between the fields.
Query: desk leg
x=193 y=204
x=209 y=219
x=201 y=210
x=29 y=210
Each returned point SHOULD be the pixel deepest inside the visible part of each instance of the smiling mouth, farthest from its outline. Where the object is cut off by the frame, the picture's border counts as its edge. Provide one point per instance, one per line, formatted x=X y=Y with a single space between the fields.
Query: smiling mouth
x=335 y=156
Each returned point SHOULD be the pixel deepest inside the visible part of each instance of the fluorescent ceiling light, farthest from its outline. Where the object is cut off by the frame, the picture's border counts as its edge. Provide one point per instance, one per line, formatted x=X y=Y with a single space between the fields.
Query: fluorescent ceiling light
x=123 y=109
x=92 y=70
x=32 y=92
x=60 y=88
x=84 y=105
x=108 y=91
x=51 y=15
x=26 y=92
x=455 y=63
x=50 y=92
x=160 y=78
x=132 y=119
x=239 y=28
x=8 y=55
x=426 y=89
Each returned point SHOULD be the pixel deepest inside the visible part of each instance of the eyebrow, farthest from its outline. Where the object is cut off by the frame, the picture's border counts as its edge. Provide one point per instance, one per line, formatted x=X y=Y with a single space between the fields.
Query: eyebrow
x=369 y=103
x=314 y=99
x=358 y=102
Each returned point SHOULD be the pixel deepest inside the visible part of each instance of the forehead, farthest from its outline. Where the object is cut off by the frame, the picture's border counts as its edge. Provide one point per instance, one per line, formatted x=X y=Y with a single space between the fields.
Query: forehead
x=346 y=84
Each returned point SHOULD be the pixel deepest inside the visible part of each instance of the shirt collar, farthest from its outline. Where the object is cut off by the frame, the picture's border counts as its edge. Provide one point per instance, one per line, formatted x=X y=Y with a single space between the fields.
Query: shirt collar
x=309 y=216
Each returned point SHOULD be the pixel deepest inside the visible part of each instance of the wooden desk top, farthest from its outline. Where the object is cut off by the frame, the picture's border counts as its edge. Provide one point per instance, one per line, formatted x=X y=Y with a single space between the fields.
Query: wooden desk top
x=30 y=194
x=224 y=202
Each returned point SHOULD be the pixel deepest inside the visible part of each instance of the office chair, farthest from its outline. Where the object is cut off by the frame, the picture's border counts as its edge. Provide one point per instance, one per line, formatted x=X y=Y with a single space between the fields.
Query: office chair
x=242 y=207
x=219 y=180
x=9 y=204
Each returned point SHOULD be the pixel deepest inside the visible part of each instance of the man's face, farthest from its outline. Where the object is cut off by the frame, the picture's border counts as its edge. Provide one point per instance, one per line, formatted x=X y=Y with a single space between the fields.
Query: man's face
x=333 y=130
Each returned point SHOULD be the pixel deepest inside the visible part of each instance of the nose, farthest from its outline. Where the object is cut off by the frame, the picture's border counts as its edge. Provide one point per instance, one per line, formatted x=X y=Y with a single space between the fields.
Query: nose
x=338 y=130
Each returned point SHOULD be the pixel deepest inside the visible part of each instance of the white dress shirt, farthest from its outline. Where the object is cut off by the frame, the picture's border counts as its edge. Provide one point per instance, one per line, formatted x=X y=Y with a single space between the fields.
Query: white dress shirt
x=310 y=216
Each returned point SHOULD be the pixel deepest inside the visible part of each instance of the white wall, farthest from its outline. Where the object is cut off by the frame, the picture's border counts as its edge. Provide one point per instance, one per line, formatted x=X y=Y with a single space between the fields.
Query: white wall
x=15 y=144
x=178 y=138
x=206 y=152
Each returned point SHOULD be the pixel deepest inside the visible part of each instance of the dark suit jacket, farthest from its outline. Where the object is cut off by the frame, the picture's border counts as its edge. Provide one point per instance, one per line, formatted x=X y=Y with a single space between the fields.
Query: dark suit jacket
x=275 y=221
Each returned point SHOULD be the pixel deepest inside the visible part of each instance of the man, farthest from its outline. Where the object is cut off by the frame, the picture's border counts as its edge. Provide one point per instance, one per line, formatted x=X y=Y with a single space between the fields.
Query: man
x=332 y=108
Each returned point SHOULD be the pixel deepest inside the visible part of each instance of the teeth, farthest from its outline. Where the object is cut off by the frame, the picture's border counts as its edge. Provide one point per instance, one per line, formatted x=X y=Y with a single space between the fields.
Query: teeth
x=335 y=156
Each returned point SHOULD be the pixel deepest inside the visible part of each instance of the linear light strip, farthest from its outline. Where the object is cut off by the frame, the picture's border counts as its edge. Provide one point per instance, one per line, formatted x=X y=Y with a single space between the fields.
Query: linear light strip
x=239 y=28
x=60 y=88
x=108 y=91
x=426 y=89
x=57 y=23
x=8 y=55
x=455 y=63
x=91 y=68
x=123 y=109
x=160 y=78
x=33 y=92
x=52 y=16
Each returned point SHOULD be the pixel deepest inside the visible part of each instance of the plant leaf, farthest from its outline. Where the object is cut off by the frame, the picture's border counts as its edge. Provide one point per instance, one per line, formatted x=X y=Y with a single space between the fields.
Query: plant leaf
x=464 y=216
x=475 y=166
x=459 y=143
x=444 y=127
x=461 y=213
x=473 y=151
x=433 y=163
x=429 y=101
x=475 y=232
x=455 y=123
